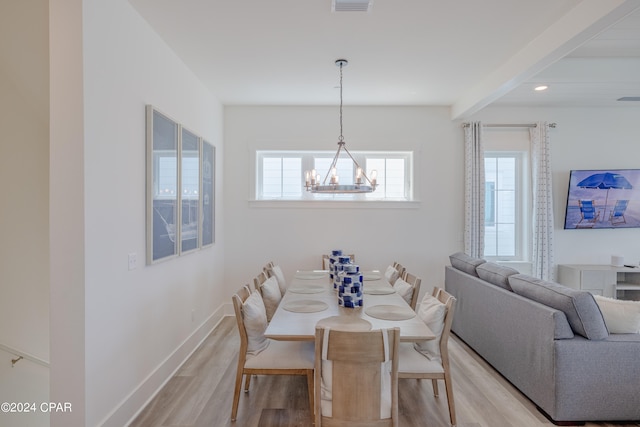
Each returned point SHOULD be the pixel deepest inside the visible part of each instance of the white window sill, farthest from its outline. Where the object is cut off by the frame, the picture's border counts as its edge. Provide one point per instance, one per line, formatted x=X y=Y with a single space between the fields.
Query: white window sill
x=335 y=204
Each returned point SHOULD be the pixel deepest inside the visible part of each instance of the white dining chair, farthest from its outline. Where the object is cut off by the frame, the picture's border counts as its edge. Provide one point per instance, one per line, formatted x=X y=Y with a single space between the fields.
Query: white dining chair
x=259 y=355
x=356 y=378
x=430 y=359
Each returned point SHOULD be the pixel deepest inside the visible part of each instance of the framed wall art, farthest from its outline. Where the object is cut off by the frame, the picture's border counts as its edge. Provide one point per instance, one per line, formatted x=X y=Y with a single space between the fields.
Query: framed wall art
x=180 y=189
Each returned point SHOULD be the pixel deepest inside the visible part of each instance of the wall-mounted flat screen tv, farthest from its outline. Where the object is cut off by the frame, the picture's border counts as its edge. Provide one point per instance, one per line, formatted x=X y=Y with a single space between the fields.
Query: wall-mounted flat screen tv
x=603 y=199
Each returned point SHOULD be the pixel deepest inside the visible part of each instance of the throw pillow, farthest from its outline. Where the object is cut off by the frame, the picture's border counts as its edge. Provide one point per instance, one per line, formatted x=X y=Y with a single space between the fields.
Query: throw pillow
x=463 y=262
x=581 y=309
x=432 y=312
x=621 y=317
x=404 y=289
x=271 y=296
x=496 y=274
x=282 y=283
x=255 y=323
x=391 y=274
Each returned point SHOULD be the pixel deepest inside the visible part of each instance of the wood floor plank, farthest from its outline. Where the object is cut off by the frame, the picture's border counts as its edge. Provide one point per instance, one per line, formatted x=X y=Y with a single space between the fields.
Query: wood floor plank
x=201 y=392
x=285 y=418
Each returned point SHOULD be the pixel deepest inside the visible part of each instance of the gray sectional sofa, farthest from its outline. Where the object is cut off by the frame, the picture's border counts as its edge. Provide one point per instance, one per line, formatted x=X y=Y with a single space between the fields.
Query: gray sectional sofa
x=549 y=341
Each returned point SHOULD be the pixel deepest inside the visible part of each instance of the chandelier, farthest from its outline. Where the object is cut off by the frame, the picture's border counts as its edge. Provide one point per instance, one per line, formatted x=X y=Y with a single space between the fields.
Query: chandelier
x=331 y=182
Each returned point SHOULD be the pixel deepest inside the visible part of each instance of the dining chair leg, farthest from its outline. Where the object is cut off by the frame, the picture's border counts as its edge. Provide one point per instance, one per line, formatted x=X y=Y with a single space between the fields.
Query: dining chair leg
x=236 y=394
x=247 y=382
x=311 y=390
x=434 y=384
x=449 y=389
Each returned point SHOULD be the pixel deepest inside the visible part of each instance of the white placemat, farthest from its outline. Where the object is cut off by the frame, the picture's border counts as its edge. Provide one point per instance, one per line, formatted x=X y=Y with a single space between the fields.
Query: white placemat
x=345 y=323
x=305 y=306
x=310 y=275
x=379 y=291
x=390 y=312
x=372 y=276
x=306 y=289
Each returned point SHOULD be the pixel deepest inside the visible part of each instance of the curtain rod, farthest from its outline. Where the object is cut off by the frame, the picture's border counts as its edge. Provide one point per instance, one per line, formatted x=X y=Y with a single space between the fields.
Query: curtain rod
x=507 y=125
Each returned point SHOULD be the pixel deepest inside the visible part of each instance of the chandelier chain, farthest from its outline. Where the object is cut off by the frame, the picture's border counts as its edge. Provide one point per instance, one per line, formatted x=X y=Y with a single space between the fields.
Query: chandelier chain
x=341 y=137
x=361 y=182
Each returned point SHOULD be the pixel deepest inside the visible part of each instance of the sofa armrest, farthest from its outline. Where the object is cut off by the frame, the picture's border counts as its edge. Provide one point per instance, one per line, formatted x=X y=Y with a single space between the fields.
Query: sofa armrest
x=598 y=380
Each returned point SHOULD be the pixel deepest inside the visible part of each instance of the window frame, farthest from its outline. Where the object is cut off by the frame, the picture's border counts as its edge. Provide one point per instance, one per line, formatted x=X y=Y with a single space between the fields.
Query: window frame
x=307 y=163
x=522 y=212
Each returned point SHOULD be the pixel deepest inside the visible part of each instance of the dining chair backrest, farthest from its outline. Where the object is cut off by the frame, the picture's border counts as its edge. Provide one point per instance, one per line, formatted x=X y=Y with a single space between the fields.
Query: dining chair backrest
x=401 y=269
x=259 y=280
x=268 y=266
x=270 y=292
x=356 y=377
x=415 y=283
x=450 y=303
x=238 y=300
x=274 y=270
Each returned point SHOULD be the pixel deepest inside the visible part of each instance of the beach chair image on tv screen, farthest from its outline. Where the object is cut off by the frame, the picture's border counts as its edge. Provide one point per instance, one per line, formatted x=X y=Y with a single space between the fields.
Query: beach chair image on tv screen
x=589 y=214
x=617 y=214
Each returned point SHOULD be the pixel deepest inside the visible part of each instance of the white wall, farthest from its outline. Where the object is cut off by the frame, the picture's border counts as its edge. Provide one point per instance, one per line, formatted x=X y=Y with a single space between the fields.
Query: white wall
x=24 y=212
x=585 y=138
x=421 y=236
x=24 y=172
x=138 y=324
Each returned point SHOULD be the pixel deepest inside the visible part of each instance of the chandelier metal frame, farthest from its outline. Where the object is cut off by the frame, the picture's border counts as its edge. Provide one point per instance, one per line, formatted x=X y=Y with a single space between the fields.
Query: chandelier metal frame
x=362 y=182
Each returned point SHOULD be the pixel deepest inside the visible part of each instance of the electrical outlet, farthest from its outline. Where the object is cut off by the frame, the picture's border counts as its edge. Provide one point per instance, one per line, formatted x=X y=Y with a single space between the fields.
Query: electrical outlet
x=133 y=261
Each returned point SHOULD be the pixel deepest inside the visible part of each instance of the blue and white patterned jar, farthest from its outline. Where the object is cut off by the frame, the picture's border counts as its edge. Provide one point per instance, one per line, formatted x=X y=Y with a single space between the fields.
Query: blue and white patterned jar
x=338 y=268
x=333 y=259
x=350 y=290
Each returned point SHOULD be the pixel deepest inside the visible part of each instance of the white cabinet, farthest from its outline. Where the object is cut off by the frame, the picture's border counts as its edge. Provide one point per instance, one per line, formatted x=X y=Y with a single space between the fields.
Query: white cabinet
x=605 y=280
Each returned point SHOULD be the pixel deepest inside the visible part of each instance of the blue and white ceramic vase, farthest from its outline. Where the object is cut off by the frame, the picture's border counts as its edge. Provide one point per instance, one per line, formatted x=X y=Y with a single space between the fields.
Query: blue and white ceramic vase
x=350 y=290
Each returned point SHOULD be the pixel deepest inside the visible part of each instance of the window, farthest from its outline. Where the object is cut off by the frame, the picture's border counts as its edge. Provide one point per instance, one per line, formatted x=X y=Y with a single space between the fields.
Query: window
x=506 y=205
x=280 y=174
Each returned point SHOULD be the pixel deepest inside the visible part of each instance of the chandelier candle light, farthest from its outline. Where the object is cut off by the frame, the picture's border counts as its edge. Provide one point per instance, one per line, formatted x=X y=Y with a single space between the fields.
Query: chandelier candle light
x=362 y=182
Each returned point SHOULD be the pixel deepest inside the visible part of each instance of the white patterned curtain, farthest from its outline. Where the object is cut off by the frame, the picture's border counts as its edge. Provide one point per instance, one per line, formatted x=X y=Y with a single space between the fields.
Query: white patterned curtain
x=474 y=188
x=542 y=258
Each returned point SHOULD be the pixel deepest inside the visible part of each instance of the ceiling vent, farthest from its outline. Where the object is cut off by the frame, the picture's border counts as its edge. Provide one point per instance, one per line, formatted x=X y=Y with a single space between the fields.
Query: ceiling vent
x=629 y=98
x=351 y=5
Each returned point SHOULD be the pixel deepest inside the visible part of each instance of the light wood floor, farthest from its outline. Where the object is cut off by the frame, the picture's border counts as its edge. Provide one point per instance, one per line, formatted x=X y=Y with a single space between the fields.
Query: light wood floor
x=200 y=394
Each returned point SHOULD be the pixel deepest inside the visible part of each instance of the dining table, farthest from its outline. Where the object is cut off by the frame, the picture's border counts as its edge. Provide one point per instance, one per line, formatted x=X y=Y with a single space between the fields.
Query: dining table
x=311 y=300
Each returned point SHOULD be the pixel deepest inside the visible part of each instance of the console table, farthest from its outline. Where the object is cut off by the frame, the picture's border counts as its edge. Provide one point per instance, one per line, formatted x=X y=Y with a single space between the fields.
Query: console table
x=601 y=279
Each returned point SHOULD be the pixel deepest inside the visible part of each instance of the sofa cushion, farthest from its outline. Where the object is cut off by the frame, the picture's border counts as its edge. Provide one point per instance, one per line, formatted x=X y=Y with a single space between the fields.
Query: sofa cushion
x=580 y=307
x=621 y=317
x=496 y=274
x=466 y=263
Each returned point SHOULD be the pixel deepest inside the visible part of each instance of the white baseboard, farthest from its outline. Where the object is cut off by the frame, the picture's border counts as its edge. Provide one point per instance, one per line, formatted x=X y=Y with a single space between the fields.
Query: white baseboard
x=138 y=399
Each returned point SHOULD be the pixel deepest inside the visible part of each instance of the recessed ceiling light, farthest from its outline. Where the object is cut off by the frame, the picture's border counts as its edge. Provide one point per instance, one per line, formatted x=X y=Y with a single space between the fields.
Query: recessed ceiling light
x=541 y=88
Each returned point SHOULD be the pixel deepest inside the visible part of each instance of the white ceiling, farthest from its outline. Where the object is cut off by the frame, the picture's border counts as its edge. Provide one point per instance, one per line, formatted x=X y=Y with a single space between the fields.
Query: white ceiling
x=464 y=53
